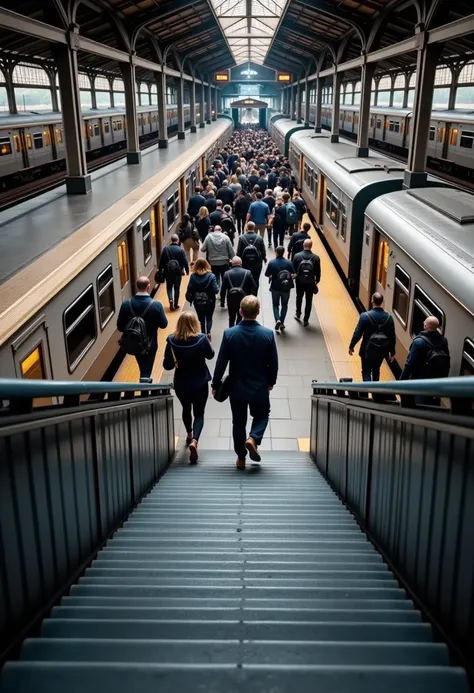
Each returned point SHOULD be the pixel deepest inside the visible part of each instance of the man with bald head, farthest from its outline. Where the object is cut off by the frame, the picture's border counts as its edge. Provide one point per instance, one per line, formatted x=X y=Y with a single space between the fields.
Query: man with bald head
x=377 y=331
x=236 y=284
x=429 y=354
x=308 y=275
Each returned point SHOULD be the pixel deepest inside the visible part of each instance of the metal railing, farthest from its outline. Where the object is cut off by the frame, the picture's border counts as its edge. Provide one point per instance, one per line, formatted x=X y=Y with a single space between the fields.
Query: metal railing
x=70 y=473
x=407 y=473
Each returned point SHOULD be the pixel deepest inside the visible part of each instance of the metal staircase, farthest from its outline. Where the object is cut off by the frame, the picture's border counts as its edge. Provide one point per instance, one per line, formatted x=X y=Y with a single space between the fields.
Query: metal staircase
x=223 y=581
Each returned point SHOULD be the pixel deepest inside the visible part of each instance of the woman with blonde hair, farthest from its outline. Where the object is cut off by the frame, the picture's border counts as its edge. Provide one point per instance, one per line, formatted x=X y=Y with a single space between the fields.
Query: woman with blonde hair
x=187 y=351
x=203 y=223
x=235 y=185
x=202 y=292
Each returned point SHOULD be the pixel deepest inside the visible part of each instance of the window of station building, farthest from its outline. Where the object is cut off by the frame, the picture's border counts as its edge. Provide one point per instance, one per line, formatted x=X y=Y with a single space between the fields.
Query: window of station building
x=383 y=251
x=423 y=307
x=432 y=134
x=467 y=361
x=80 y=327
x=38 y=140
x=332 y=208
x=32 y=366
x=105 y=292
x=122 y=251
x=401 y=295
x=467 y=138
x=146 y=238
x=5 y=146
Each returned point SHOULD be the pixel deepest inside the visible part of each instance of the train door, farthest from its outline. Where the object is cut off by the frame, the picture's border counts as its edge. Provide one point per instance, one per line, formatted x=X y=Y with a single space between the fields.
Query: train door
x=322 y=198
x=381 y=253
x=126 y=264
x=182 y=196
x=203 y=166
x=301 y=179
x=32 y=356
x=156 y=219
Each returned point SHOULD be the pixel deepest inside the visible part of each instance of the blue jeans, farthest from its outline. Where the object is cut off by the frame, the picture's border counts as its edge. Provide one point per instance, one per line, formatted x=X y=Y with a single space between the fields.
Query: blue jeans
x=277 y=297
x=145 y=363
x=205 y=319
x=173 y=283
x=259 y=405
x=370 y=370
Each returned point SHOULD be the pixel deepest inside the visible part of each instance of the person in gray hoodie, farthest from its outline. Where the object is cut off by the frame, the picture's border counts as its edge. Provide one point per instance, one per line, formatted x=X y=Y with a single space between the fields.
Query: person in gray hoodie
x=219 y=252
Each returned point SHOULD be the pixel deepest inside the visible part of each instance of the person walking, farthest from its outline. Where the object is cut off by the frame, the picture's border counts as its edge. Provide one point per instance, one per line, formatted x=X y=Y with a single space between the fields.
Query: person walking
x=279 y=223
x=300 y=207
x=203 y=223
x=235 y=186
x=139 y=320
x=236 y=284
x=280 y=272
x=219 y=252
x=211 y=202
x=291 y=213
x=225 y=194
x=377 y=331
x=241 y=208
x=173 y=265
x=251 y=248
x=216 y=215
x=202 y=292
x=250 y=379
x=270 y=201
x=308 y=275
x=189 y=237
x=227 y=224
x=187 y=351
x=259 y=214
x=297 y=240
x=195 y=202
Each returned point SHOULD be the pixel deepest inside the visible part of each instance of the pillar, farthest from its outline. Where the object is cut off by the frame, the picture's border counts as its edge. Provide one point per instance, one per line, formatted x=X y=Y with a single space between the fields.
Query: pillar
x=336 y=105
x=93 y=91
x=426 y=63
x=78 y=181
x=306 y=103
x=319 y=105
x=392 y=92
x=12 y=107
x=111 y=92
x=180 y=85
x=367 y=74
x=299 y=100
x=133 y=143
x=192 y=104
x=202 y=115
x=209 y=102
x=406 y=90
x=455 y=72
x=294 y=91
x=214 y=117
x=54 y=91
x=162 y=112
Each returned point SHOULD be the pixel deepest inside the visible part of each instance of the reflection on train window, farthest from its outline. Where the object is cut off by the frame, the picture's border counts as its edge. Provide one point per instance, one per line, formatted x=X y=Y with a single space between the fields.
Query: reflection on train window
x=176 y=204
x=32 y=366
x=401 y=295
x=29 y=141
x=117 y=125
x=17 y=143
x=47 y=138
x=106 y=126
x=123 y=263
x=332 y=206
x=96 y=129
x=105 y=292
x=394 y=126
x=423 y=307
x=432 y=134
x=170 y=210
x=453 y=136
x=441 y=132
x=153 y=213
x=372 y=121
x=467 y=363
x=80 y=327
x=146 y=237
x=467 y=138
x=59 y=135
x=5 y=146
x=38 y=140
x=343 y=218
x=382 y=262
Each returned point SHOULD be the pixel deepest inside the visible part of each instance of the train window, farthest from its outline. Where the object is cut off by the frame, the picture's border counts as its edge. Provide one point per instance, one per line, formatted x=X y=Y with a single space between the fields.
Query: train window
x=80 y=327
x=379 y=123
x=122 y=251
x=47 y=138
x=332 y=207
x=146 y=237
x=467 y=363
x=382 y=262
x=188 y=187
x=17 y=143
x=29 y=141
x=441 y=132
x=105 y=292
x=117 y=125
x=106 y=126
x=343 y=219
x=32 y=366
x=96 y=129
x=423 y=307
x=5 y=146
x=170 y=210
x=467 y=138
x=401 y=295
x=59 y=135
x=453 y=137
x=89 y=129
x=432 y=134
x=38 y=140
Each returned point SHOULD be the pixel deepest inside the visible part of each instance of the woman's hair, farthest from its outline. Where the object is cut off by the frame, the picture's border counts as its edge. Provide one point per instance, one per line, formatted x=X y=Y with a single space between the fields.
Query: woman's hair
x=185 y=220
x=203 y=212
x=187 y=326
x=201 y=266
x=234 y=179
x=238 y=171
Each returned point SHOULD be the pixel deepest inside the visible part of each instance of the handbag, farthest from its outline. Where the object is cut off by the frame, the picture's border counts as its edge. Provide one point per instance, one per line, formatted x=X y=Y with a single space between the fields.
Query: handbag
x=175 y=360
x=315 y=289
x=223 y=391
x=160 y=276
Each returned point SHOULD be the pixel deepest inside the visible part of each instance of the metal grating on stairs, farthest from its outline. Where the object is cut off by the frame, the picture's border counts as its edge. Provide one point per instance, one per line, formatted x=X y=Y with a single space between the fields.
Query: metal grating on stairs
x=225 y=582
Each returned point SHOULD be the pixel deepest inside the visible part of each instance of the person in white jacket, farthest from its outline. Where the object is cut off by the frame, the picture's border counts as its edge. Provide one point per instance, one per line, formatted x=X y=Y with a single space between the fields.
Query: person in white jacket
x=219 y=252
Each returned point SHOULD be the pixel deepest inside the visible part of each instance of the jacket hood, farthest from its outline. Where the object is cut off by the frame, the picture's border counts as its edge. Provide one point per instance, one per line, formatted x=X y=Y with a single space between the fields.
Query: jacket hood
x=186 y=347
x=202 y=278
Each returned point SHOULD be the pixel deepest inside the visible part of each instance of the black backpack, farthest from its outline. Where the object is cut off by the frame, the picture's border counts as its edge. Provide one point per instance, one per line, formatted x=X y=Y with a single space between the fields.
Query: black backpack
x=135 y=340
x=236 y=293
x=305 y=272
x=227 y=226
x=437 y=361
x=251 y=258
x=285 y=281
x=201 y=299
x=298 y=247
x=378 y=344
x=173 y=268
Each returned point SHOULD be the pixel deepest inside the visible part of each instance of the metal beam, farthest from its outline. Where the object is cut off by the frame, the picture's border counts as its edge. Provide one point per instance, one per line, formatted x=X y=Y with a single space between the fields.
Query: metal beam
x=31 y=27
x=453 y=30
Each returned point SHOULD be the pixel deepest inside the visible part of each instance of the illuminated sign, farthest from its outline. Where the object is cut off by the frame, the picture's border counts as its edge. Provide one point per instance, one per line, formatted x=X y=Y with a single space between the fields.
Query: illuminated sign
x=249 y=101
x=283 y=77
x=221 y=77
x=249 y=72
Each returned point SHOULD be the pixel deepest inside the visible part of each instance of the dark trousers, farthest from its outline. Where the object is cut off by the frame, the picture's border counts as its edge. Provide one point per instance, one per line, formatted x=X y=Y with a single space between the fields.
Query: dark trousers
x=278 y=236
x=219 y=271
x=307 y=292
x=205 y=319
x=259 y=405
x=234 y=315
x=270 y=231
x=240 y=224
x=370 y=369
x=194 y=403
x=173 y=284
x=256 y=277
x=145 y=363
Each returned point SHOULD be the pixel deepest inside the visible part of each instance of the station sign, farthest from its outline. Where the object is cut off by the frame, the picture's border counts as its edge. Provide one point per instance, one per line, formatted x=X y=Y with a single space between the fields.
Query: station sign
x=283 y=77
x=221 y=76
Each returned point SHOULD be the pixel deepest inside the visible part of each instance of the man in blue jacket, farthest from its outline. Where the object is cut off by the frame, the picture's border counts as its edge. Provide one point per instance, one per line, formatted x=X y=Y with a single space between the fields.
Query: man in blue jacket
x=429 y=354
x=173 y=264
x=377 y=331
x=154 y=318
x=250 y=350
x=281 y=273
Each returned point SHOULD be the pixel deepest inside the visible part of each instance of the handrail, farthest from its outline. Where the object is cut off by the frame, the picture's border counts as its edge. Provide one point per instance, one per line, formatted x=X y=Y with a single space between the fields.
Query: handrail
x=11 y=387
x=462 y=386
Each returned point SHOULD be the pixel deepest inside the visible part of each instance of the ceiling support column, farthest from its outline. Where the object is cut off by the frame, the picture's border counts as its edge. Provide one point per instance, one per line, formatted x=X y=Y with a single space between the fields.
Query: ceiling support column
x=336 y=106
x=192 y=104
x=209 y=102
x=319 y=105
x=306 y=103
x=367 y=74
x=162 y=110
x=202 y=108
x=133 y=143
x=181 y=128
x=299 y=103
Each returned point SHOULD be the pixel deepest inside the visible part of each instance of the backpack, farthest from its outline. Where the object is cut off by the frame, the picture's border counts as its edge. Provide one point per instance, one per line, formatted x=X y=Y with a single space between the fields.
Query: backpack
x=437 y=361
x=201 y=299
x=236 y=293
x=251 y=258
x=185 y=233
x=227 y=226
x=135 y=340
x=173 y=268
x=291 y=214
x=285 y=282
x=305 y=272
x=298 y=246
x=378 y=344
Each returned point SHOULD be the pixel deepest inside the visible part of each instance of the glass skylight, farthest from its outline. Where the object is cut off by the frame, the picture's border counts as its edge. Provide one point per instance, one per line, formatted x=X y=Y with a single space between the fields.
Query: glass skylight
x=249 y=26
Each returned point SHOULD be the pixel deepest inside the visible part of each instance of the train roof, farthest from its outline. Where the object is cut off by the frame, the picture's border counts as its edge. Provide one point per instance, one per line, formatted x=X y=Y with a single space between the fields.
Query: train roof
x=339 y=162
x=434 y=226
x=284 y=125
x=7 y=120
x=456 y=116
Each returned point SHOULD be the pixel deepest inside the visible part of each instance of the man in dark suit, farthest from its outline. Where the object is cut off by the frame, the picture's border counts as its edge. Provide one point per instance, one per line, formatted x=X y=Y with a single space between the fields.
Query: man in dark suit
x=225 y=194
x=173 y=264
x=374 y=322
x=250 y=350
x=236 y=284
x=154 y=318
x=195 y=203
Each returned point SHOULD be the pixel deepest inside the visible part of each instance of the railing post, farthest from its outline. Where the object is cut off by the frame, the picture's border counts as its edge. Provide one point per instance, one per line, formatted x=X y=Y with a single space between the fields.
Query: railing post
x=368 y=483
x=130 y=457
x=95 y=466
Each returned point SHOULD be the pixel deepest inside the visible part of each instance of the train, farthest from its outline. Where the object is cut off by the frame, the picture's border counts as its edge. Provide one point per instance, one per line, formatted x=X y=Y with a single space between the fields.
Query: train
x=32 y=145
x=415 y=246
x=66 y=329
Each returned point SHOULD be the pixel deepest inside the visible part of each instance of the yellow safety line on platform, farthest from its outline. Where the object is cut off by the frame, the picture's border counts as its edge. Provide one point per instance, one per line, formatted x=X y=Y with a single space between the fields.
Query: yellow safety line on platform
x=338 y=317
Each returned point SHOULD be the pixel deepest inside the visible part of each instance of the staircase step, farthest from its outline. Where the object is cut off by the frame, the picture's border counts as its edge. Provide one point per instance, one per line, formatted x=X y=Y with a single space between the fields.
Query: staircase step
x=77 y=677
x=96 y=576
x=229 y=570
x=357 y=543
x=105 y=561
x=364 y=557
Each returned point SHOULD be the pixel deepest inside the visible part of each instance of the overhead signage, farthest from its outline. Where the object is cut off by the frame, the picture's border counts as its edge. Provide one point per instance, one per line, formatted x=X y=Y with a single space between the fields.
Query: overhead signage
x=283 y=77
x=221 y=76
